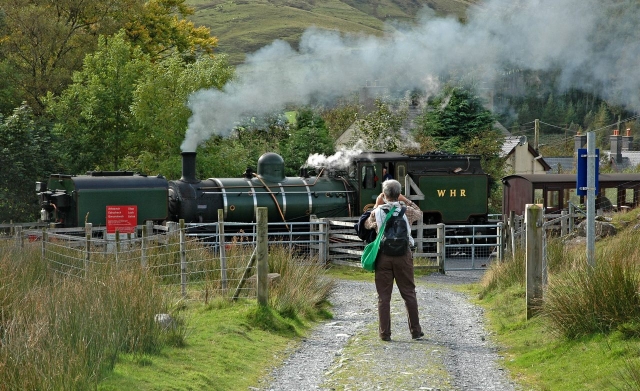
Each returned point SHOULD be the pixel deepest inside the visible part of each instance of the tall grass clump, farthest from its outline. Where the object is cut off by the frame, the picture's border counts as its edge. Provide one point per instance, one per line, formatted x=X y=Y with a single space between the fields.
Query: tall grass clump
x=303 y=287
x=583 y=300
x=502 y=275
x=65 y=332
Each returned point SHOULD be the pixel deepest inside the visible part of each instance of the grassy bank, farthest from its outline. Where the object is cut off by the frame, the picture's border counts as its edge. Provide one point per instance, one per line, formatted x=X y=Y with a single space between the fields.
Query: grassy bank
x=586 y=335
x=68 y=332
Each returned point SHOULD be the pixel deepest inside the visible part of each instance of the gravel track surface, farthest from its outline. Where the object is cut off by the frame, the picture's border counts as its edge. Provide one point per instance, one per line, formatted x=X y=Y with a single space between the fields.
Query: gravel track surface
x=345 y=353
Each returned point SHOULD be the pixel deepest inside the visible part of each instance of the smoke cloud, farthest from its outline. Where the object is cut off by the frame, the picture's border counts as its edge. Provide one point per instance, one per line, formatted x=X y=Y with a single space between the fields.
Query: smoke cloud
x=340 y=159
x=575 y=37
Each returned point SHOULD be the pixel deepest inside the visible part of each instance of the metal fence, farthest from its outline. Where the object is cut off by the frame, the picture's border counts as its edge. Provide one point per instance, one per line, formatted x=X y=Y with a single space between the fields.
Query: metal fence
x=198 y=261
x=216 y=259
x=438 y=246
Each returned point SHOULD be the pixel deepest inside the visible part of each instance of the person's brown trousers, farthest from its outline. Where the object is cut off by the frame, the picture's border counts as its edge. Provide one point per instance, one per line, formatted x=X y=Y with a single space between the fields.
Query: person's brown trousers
x=399 y=268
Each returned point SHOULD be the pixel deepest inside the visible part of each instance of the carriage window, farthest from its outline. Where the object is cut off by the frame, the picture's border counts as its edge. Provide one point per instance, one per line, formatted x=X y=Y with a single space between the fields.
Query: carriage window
x=402 y=172
x=369 y=177
x=537 y=196
x=553 y=199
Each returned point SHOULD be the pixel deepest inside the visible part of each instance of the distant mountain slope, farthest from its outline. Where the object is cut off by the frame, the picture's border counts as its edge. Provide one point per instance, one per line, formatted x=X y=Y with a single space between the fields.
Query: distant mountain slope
x=244 y=26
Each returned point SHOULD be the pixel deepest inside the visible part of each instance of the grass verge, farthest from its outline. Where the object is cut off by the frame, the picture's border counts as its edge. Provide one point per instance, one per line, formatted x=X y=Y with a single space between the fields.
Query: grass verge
x=225 y=344
x=586 y=334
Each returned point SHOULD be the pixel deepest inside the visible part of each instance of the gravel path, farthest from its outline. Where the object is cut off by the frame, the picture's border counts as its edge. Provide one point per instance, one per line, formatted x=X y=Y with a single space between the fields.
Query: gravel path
x=346 y=353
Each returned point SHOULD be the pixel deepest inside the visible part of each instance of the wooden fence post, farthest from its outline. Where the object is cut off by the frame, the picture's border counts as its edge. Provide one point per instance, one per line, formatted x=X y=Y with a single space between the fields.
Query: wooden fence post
x=117 y=248
x=512 y=231
x=44 y=244
x=143 y=246
x=323 y=241
x=262 y=254
x=440 y=247
x=88 y=228
x=534 y=269
x=501 y=232
x=223 y=250
x=564 y=223
x=183 y=260
x=19 y=239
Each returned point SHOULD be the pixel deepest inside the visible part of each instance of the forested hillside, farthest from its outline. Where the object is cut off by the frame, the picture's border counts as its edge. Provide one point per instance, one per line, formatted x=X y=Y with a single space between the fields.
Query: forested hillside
x=244 y=26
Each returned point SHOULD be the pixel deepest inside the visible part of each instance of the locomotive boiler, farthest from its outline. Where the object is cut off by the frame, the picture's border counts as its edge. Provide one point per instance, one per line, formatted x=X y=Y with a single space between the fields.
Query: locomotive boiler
x=286 y=198
x=450 y=189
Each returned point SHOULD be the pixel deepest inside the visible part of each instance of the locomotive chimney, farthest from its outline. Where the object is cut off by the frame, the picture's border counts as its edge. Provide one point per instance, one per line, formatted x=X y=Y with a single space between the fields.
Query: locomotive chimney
x=189 y=167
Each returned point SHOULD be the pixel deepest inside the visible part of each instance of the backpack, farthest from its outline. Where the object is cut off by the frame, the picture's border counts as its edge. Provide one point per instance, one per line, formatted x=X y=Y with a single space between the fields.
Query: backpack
x=395 y=240
x=368 y=235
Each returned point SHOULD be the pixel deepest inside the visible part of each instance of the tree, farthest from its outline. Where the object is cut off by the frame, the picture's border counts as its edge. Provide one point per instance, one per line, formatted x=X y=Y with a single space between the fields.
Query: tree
x=381 y=128
x=42 y=42
x=310 y=136
x=94 y=122
x=25 y=158
x=455 y=117
x=458 y=122
x=159 y=104
x=162 y=30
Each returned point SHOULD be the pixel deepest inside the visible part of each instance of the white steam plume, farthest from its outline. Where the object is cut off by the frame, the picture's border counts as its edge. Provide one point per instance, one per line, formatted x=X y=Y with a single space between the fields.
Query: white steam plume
x=340 y=159
x=571 y=35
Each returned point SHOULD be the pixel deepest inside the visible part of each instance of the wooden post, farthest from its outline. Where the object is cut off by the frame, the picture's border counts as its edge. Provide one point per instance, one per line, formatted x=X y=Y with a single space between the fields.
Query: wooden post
x=572 y=212
x=440 y=248
x=19 y=239
x=263 y=256
x=88 y=228
x=314 y=237
x=564 y=226
x=44 y=244
x=117 y=247
x=512 y=231
x=245 y=275
x=223 y=250
x=323 y=241
x=183 y=260
x=534 y=269
x=500 y=241
x=143 y=246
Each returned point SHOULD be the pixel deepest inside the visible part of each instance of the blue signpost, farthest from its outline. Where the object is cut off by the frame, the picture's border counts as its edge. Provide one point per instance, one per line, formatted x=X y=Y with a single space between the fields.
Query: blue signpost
x=581 y=180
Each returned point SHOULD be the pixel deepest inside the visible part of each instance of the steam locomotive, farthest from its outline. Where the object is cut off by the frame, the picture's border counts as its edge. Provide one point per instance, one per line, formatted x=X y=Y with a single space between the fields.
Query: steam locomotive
x=450 y=189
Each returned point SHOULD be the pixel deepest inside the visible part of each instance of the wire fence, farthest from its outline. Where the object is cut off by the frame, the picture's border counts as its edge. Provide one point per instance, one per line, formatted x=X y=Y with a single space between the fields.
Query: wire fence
x=198 y=261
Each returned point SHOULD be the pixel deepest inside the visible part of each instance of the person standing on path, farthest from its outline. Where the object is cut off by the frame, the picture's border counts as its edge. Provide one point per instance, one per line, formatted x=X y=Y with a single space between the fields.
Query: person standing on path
x=399 y=268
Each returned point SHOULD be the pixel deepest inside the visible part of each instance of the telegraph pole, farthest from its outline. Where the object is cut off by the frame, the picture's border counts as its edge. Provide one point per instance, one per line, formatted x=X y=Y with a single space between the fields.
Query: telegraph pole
x=536 y=134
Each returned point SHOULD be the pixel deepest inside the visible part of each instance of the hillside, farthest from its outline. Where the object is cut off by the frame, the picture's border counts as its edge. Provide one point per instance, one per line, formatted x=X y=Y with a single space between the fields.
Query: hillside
x=244 y=26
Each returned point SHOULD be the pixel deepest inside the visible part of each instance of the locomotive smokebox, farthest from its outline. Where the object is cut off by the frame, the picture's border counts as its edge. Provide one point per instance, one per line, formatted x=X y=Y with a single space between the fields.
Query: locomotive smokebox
x=189 y=167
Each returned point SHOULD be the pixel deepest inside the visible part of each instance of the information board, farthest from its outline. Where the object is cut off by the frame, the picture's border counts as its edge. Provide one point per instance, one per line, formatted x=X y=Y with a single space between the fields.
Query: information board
x=122 y=218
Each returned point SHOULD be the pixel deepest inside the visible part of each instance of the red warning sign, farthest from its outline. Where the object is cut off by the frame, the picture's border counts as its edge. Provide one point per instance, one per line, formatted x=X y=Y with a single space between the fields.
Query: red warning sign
x=122 y=218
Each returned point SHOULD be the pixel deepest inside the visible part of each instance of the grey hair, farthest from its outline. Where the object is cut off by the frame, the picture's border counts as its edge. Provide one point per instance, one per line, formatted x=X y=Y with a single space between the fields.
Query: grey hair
x=391 y=189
